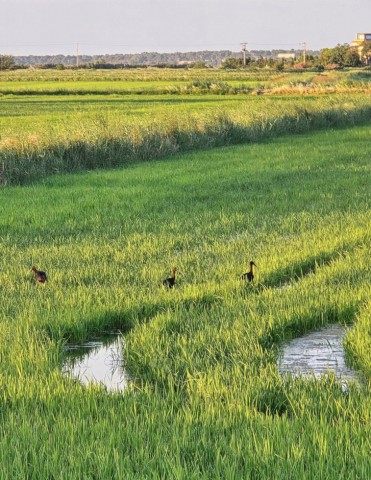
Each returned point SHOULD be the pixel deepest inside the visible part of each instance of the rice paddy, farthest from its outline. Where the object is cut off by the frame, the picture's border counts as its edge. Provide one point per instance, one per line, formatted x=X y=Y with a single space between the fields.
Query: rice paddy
x=207 y=399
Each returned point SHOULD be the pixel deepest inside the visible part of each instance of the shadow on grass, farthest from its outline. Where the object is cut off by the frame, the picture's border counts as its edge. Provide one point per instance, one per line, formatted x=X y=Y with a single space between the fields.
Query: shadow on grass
x=273 y=400
x=123 y=320
x=297 y=271
x=297 y=326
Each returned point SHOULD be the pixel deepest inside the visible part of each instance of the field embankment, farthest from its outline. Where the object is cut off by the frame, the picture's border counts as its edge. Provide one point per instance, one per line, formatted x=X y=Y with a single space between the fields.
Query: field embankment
x=77 y=141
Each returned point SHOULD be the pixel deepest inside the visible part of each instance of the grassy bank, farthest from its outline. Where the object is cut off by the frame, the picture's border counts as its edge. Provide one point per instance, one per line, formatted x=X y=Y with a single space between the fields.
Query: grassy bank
x=101 y=134
x=207 y=401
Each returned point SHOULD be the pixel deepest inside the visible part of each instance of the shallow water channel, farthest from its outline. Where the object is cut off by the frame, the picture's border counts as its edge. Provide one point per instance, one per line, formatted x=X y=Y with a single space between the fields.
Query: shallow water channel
x=316 y=354
x=98 y=361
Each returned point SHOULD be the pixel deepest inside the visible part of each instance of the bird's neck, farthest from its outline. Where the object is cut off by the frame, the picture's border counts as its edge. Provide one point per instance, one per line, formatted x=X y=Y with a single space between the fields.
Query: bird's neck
x=251 y=268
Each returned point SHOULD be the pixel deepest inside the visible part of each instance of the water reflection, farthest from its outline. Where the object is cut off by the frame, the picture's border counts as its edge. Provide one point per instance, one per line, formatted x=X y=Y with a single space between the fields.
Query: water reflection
x=99 y=361
x=316 y=354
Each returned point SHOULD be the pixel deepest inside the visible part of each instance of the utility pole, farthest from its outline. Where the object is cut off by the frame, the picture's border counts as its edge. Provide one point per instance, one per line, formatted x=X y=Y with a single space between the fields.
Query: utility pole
x=244 y=45
x=77 y=55
x=304 y=52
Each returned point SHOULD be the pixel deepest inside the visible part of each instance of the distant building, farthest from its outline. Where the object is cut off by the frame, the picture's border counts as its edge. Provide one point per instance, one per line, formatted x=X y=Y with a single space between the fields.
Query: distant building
x=359 y=43
x=286 y=56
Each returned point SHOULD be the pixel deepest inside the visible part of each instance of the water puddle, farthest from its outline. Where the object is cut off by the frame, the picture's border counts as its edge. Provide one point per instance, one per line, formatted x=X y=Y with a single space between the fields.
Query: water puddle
x=99 y=361
x=316 y=354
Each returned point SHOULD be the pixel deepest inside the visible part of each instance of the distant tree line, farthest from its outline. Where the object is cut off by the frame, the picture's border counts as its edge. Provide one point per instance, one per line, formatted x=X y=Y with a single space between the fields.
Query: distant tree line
x=210 y=58
x=340 y=56
x=6 y=62
x=178 y=59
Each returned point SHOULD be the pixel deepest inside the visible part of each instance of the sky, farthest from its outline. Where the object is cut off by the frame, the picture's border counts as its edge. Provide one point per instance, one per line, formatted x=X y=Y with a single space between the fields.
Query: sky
x=50 y=27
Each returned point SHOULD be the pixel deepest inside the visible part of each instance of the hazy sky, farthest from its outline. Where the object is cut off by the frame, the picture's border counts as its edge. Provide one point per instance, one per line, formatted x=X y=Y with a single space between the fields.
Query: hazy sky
x=130 y=26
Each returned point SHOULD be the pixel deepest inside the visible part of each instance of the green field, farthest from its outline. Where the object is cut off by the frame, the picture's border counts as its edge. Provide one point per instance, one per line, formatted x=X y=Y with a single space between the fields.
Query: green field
x=54 y=121
x=206 y=400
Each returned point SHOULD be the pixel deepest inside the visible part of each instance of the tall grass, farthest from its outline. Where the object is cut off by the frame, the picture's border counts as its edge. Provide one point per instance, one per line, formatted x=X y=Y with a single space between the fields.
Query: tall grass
x=109 y=140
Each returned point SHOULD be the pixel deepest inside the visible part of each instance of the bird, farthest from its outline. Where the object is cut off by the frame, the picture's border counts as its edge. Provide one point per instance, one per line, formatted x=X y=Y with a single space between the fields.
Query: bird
x=40 y=276
x=170 y=282
x=250 y=274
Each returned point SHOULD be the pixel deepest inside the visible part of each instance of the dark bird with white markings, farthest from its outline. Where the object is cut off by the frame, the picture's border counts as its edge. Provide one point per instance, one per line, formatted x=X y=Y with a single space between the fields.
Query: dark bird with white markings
x=250 y=274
